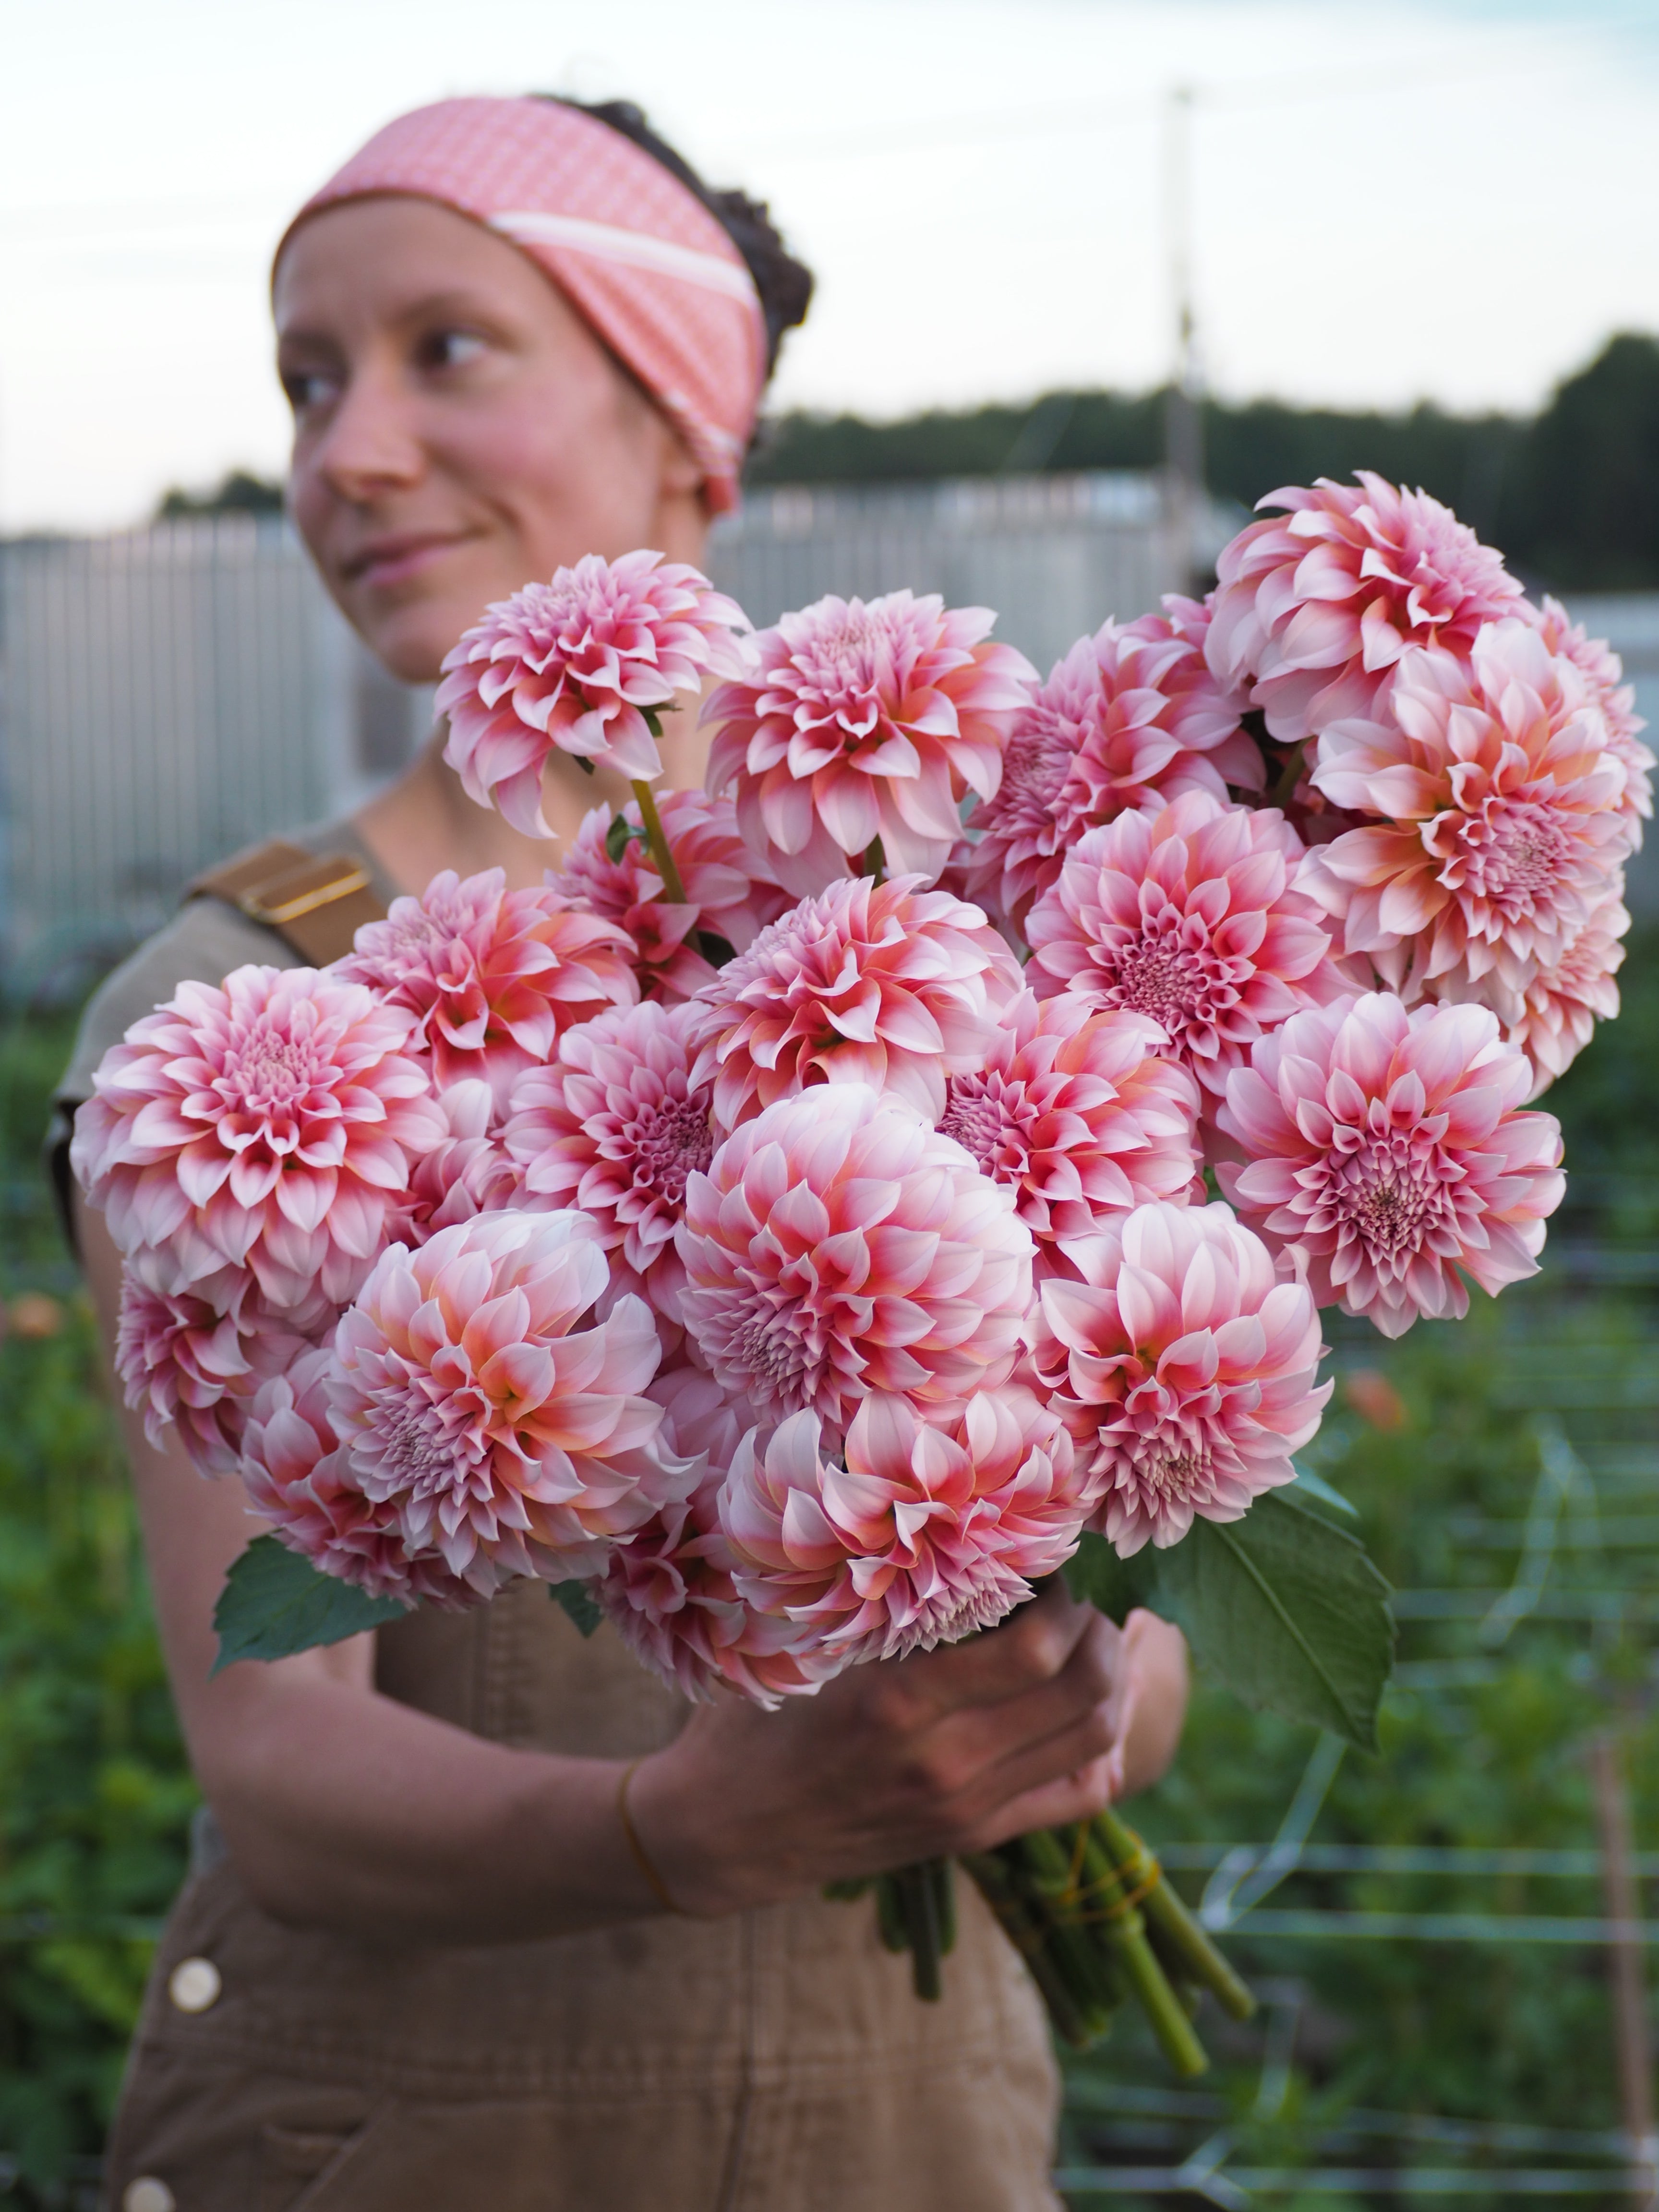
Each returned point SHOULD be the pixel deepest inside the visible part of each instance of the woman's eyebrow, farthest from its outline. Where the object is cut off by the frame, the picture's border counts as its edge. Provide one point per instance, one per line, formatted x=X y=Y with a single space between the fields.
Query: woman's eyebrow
x=428 y=306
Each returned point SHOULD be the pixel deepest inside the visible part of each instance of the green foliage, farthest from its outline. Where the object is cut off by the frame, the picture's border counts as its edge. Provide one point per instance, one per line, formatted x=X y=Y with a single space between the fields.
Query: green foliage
x=275 y=1603
x=94 y=1796
x=238 y=492
x=1571 y=495
x=577 y=1600
x=1284 y=1606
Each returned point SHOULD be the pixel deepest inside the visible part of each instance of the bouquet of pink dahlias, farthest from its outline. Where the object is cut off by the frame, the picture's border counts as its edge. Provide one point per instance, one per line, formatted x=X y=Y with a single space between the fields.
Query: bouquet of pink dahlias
x=793 y=1234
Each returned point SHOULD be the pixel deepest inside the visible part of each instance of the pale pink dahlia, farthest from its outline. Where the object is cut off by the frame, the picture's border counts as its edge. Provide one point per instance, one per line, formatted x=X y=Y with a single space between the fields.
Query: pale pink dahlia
x=1562 y=1005
x=929 y=1531
x=1131 y=718
x=580 y=664
x=1187 y=916
x=1503 y=827
x=838 y=1245
x=1604 y=672
x=865 y=722
x=265 y=1124
x=468 y=1172
x=1077 y=1115
x=297 y=1479
x=190 y=1363
x=492 y=977
x=1314 y=608
x=1183 y=1369
x=616 y=1126
x=881 y=983
x=670 y=1590
x=730 y=895
x=1385 y=1155
x=468 y=1398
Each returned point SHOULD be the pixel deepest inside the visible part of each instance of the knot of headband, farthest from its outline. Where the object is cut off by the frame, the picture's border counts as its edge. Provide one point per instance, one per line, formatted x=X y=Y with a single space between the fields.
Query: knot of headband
x=635 y=252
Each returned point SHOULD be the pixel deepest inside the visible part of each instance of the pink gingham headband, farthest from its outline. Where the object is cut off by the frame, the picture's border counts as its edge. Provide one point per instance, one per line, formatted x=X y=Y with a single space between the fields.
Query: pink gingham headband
x=634 y=251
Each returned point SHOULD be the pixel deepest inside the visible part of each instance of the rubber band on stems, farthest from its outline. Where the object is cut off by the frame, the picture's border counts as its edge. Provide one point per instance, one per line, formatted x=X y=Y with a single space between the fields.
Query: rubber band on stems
x=653 y=1881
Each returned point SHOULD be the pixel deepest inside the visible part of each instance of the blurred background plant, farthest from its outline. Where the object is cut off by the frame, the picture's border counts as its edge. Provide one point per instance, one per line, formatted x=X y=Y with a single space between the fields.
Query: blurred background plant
x=94 y=1794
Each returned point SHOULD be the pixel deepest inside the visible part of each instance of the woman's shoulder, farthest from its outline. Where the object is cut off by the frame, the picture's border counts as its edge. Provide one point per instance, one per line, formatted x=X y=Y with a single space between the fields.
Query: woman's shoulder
x=202 y=942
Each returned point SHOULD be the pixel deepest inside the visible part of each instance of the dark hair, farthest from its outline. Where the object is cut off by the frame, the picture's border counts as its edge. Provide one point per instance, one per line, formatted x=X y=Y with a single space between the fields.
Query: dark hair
x=785 y=285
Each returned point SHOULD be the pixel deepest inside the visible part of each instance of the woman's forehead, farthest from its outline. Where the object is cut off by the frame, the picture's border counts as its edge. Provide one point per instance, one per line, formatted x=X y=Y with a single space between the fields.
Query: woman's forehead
x=399 y=257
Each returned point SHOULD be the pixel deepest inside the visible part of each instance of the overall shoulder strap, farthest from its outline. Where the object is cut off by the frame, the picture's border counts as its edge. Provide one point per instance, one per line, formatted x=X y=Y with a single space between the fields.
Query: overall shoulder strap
x=316 y=904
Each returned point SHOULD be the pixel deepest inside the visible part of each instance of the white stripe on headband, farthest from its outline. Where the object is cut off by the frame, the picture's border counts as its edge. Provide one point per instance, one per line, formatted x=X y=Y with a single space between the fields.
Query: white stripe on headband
x=637 y=248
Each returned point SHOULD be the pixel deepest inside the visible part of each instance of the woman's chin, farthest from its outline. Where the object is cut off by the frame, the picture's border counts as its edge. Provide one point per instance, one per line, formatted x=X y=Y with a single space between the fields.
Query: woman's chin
x=409 y=641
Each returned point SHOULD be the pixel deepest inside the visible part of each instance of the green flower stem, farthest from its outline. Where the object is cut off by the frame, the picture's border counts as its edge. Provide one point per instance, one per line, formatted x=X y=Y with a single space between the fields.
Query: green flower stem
x=1126 y=1934
x=890 y=1915
x=1175 y=1931
x=657 y=838
x=942 y=1873
x=918 y=1898
x=1073 y=1942
x=991 y=1875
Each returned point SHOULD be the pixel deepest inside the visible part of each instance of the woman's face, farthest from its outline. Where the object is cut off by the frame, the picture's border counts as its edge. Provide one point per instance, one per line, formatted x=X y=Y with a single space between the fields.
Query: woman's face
x=459 y=430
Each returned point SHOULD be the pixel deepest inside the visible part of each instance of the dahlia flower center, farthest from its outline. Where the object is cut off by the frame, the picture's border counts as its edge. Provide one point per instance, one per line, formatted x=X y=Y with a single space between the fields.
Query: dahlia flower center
x=986 y=1121
x=1168 y=1471
x=1035 y=765
x=771 y=1347
x=1512 y=856
x=1391 y=1197
x=271 y=1070
x=415 y=1449
x=670 y=1140
x=1155 y=973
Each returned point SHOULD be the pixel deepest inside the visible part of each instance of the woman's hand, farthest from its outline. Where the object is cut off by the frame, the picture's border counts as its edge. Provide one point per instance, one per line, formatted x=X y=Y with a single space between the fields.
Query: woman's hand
x=1041 y=1721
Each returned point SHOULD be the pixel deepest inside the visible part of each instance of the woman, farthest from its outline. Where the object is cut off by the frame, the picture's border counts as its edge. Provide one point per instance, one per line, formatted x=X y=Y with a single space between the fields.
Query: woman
x=419 y=1961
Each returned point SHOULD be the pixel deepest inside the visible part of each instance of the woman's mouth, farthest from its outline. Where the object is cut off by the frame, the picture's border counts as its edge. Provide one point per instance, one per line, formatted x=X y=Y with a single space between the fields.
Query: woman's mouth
x=383 y=563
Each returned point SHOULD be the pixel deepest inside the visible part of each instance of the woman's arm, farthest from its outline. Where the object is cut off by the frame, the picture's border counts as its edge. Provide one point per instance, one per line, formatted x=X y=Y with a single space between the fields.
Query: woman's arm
x=344 y=1808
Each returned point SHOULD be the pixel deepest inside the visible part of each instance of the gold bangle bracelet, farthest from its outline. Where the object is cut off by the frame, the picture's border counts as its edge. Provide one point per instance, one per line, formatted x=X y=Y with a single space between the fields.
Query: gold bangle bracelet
x=654 y=1881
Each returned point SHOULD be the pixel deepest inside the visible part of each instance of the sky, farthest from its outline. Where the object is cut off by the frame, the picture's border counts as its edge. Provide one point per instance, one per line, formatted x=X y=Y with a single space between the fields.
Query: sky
x=1389 y=202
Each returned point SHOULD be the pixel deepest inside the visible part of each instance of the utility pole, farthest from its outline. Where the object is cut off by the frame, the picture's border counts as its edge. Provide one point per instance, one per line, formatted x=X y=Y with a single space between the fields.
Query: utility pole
x=1183 y=425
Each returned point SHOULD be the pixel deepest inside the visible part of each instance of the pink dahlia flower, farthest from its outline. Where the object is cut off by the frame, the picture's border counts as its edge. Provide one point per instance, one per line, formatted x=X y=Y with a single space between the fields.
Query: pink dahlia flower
x=836 y=1246
x=297 y=1480
x=190 y=1363
x=265 y=1124
x=493 y=977
x=468 y=1172
x=1562 y=1005
x=1077 y=1115
x=729 y=892
x=1130 y=719
x=865 y=722
x=1604 y=672
x=582 y=663
x=468 y=1398
x=1385 y=1155
x=616 y=1126
x=1184 y=1369
x=930 y=1530
x=1187 y=916
x=881 y=983
x=1314 y=608
x=1503 y=826
x=669 y=1590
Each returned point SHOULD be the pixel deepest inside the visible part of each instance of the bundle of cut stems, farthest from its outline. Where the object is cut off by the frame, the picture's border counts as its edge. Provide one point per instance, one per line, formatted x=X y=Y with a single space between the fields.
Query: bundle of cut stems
x=1089 y=1910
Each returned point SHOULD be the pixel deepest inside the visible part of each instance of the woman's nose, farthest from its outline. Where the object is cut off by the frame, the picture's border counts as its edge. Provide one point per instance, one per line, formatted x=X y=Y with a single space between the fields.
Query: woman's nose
x=371 y=443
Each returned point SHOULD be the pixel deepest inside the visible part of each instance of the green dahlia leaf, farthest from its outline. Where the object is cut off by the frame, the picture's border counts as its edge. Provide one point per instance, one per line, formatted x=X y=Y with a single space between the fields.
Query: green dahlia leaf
x=275 y=1603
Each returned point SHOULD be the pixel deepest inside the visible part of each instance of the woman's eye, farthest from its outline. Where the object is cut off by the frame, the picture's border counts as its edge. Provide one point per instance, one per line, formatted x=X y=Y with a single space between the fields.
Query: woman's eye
x=451 y=349
x=308 y=389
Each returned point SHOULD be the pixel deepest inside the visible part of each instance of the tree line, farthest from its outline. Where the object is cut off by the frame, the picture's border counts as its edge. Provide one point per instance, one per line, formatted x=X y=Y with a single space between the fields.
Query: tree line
x=1571 y=494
